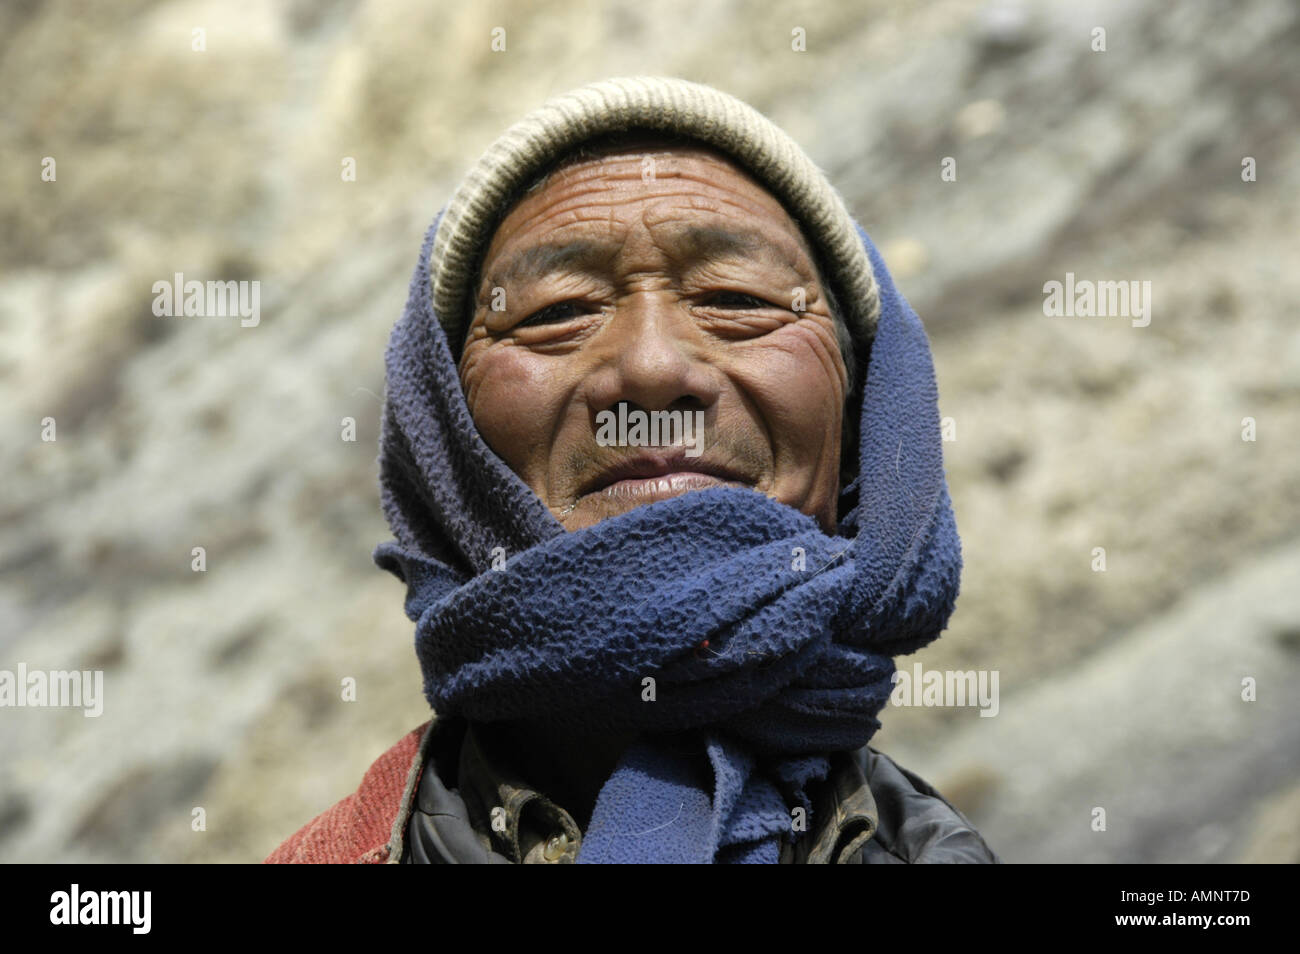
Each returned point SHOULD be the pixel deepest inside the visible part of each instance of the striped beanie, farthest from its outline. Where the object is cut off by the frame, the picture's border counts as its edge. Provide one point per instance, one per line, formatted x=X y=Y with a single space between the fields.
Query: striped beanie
x=680 y=109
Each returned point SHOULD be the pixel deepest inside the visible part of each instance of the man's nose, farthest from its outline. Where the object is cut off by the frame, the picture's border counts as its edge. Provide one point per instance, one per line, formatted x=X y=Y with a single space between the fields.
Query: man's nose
x=654 y=358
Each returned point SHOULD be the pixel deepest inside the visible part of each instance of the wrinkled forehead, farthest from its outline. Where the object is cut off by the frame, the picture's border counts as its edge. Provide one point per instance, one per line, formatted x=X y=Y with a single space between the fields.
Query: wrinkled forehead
x=644 y=155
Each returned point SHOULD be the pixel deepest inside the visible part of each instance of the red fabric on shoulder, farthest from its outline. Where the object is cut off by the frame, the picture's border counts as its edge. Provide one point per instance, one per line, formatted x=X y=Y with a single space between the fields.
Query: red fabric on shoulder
x=356 y=830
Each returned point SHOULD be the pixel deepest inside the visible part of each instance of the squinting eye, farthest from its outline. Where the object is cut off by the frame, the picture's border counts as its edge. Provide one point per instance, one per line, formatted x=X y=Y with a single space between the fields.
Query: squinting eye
x=735 y=299
x=560 y=311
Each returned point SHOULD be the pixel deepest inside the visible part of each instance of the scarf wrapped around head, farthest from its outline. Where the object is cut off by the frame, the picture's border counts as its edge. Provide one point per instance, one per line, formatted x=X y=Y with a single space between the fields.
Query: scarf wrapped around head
x=721 y=617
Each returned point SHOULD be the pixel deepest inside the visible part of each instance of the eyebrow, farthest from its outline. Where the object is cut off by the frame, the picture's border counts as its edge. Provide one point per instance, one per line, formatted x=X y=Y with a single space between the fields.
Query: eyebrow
x=538 y=261
x=695 y=244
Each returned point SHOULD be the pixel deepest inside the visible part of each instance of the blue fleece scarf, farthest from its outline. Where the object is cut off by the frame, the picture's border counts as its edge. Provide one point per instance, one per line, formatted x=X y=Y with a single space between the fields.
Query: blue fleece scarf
x=739 y=641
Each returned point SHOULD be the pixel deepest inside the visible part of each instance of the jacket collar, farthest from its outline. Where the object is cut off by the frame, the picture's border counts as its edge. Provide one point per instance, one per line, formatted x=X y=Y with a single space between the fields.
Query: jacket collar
x=439 y=823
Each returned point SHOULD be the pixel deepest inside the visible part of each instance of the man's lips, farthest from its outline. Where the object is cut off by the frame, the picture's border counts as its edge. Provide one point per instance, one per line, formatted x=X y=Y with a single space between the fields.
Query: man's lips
x=646 y=489
x=651 y=477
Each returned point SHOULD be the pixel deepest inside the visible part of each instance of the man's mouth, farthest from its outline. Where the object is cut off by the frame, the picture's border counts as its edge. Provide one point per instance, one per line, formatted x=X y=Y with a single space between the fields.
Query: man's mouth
x=650 y=477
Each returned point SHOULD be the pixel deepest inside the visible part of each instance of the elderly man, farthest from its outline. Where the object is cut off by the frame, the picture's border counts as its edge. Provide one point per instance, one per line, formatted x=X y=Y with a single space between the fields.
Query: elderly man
x=662 y=460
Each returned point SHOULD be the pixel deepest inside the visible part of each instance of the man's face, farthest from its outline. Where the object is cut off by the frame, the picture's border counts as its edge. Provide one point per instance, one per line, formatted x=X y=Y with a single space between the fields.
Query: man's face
x=664 y=285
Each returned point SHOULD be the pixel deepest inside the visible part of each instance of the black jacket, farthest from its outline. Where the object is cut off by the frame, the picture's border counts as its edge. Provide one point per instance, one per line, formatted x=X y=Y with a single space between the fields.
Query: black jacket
x=869 y=810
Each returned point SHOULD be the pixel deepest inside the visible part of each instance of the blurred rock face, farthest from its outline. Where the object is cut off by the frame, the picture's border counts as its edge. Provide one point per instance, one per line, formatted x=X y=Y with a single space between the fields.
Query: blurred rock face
x=199 y=528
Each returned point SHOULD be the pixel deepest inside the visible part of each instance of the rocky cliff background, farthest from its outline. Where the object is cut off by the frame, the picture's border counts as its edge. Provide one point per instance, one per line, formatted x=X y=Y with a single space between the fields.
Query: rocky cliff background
x=1119 y=689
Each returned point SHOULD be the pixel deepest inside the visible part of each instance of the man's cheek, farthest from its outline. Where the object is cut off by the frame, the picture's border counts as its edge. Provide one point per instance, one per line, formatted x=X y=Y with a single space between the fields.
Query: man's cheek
x=511 y=401
x=798 y=376
x=813 y=343
x=800 y=397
